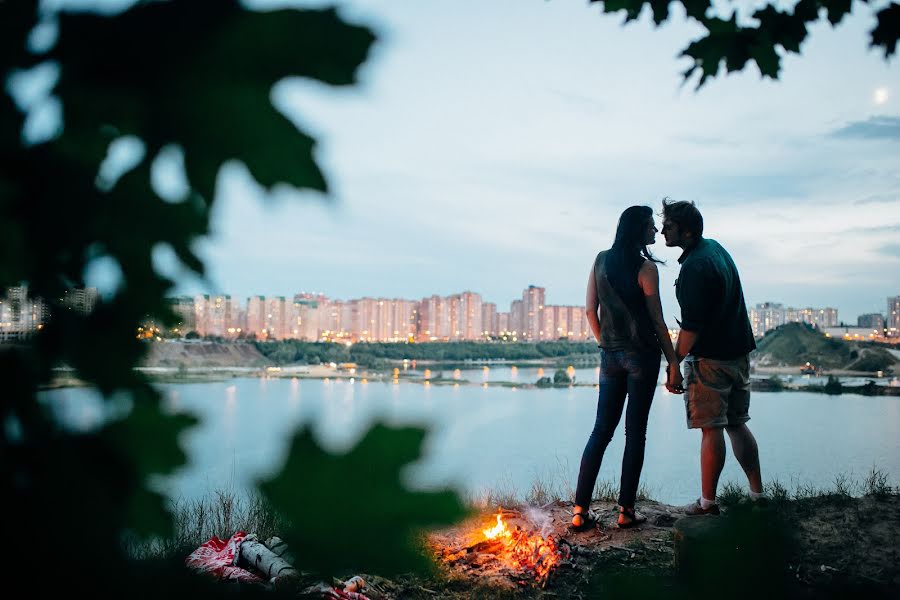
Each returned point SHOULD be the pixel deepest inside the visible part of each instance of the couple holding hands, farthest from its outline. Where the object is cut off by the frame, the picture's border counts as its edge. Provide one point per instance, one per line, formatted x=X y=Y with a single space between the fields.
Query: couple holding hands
x=626 y=318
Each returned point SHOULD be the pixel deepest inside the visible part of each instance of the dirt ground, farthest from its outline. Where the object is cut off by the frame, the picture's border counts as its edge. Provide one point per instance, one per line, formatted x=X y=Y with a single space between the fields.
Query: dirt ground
x=830 y=546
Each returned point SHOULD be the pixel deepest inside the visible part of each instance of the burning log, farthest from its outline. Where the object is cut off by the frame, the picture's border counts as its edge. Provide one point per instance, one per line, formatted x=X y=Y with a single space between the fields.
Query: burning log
x=490 y=546
x=519 y=550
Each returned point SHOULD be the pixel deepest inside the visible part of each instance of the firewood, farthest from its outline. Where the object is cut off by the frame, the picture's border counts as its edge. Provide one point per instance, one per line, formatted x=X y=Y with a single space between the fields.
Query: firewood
x=262 y=559
x=487 y=546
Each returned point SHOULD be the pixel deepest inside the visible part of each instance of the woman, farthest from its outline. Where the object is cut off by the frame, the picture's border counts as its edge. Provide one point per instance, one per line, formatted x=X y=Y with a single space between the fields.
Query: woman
x=625 y=315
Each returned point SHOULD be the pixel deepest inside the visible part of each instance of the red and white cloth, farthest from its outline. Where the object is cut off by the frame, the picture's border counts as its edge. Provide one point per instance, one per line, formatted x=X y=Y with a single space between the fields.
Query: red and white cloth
x=219 y=558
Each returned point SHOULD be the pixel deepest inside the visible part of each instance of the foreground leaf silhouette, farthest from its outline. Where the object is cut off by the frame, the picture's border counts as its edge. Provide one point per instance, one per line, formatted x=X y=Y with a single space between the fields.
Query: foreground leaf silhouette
x=776 y=33
x=194 y=75
x=352 y=511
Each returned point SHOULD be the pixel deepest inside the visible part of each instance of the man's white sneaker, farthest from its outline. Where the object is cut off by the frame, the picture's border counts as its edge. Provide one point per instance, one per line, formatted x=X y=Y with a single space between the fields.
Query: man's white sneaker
x=695 y=508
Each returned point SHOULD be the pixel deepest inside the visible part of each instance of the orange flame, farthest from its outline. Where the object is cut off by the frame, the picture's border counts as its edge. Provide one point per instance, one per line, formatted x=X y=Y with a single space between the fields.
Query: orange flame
x=497 y=530
x=524 y=551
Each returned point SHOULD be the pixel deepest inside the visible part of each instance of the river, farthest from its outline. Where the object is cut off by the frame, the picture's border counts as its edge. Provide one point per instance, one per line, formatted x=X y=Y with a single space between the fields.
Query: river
x=495 y=437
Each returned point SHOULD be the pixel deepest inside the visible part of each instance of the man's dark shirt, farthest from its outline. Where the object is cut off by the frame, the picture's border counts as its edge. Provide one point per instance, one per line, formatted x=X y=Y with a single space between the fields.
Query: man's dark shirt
x=712 y=302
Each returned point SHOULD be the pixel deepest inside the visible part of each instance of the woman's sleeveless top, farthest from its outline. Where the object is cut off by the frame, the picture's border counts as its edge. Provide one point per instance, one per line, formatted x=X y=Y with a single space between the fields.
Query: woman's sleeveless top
x=624 y=322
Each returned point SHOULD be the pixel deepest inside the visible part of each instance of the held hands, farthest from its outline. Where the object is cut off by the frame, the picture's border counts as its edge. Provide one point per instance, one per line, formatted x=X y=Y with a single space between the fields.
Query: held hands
x=674 y=379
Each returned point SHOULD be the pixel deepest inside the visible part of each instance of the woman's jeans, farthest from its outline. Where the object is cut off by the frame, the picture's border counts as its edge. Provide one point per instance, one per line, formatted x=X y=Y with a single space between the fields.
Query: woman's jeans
x=621 y=372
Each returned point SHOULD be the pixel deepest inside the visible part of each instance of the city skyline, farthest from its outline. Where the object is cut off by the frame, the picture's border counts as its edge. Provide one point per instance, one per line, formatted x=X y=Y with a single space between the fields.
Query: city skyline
x=456 y=317
x=461 y=316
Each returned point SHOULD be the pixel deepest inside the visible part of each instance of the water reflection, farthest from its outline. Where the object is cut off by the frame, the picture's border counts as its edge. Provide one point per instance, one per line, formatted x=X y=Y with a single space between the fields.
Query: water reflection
x=229 y=413
x=170 y=402
x=294 y=397
x=243 y=432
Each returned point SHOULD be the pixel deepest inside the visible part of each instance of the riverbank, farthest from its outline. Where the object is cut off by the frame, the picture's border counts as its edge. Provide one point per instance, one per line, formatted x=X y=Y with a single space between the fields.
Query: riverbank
x=799 y=544
x=794 y=371
x=825 y=546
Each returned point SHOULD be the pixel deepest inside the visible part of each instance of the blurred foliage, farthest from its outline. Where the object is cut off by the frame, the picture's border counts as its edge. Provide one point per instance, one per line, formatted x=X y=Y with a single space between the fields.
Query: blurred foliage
x=751 y=541
x=774 y=32
x=193 y=76
x=367 y=520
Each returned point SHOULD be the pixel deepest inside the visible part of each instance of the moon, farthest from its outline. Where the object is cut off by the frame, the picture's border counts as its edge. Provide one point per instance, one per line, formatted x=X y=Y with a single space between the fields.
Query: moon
x=881 y=95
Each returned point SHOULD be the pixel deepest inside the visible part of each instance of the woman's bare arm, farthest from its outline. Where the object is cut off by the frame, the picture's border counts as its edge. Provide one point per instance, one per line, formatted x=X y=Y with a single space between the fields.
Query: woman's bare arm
x=648 y=279
x=592 y=305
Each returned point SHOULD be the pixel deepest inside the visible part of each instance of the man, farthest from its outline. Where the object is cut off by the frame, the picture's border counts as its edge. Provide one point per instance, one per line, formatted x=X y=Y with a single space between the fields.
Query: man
x=715 y=342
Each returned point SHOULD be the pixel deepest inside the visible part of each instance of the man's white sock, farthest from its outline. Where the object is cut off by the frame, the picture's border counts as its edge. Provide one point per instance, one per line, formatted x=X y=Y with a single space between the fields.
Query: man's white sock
x=704 y=503
x=757 y=495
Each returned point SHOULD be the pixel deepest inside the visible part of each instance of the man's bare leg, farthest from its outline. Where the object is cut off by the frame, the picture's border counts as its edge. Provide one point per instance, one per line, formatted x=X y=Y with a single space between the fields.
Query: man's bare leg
x=712 y=460
x=743 y=444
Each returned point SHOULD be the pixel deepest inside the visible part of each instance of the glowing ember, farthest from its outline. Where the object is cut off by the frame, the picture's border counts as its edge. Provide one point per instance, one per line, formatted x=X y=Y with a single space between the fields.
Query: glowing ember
x=516 y=549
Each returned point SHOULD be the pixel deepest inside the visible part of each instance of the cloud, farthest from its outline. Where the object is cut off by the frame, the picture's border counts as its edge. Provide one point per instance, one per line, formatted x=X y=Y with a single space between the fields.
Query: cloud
x=873 y=229
x=891 y=249
x=700 y=140
x=878 y=199
x=881 y=127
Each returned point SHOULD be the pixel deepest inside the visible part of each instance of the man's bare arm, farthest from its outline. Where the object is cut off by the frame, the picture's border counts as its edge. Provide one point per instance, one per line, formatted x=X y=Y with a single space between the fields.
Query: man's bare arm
x=686 y=341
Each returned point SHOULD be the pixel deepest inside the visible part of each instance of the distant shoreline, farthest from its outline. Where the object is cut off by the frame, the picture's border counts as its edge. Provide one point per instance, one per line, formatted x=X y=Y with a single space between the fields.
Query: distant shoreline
x=795 y=371
x=65 y=377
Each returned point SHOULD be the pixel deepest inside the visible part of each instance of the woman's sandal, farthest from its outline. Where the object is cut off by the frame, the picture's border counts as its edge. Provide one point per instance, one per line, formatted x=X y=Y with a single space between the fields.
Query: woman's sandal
x=628 y=518
x=588 y=522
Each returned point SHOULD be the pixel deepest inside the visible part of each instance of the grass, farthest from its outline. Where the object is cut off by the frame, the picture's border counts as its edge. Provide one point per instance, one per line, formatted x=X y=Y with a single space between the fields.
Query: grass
x=221 y=514
x=224 y=512
x=843 y=486
x=548 y=488
x=876 y=484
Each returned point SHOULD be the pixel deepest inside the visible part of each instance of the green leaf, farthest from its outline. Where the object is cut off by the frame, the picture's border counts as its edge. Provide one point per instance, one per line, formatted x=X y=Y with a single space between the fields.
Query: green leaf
x=776 y=27
x=660 y=10
x=187 y=73
x=16 y=20
x=147 y=515
x=808 y=10
x=696 y=9
x=632 y=8
x=148 y=436
x=708 y=52
x=147 y=440
x=887 y=31
x=768 y=61
x=837 y=9
x=352 y=511
x=198 y=74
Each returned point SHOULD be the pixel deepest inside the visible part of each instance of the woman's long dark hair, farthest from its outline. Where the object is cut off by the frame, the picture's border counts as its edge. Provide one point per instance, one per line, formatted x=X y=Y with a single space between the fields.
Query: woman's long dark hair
x=628 y=253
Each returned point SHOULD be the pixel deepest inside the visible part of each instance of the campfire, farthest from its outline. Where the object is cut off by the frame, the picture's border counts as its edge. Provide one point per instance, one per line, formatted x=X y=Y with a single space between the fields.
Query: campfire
x=522 y=550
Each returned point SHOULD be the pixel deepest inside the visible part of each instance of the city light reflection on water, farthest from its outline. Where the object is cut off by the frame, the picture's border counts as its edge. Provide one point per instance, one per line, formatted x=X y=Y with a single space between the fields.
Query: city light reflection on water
x=483 y=435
